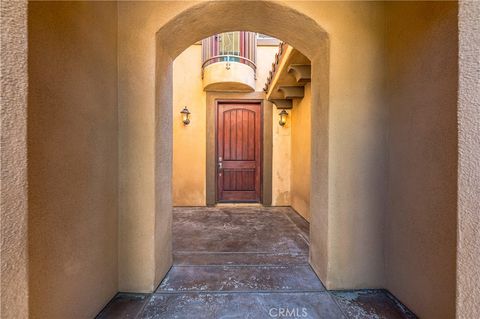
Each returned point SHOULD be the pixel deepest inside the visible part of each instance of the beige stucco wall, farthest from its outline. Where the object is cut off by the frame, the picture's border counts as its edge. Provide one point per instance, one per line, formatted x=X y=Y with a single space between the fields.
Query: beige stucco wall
x=281 y=160
x=189 y=142
x=356 y=146
x=420 y=234
x=468 y=241
x=72 y=155
x=291 y=157
x=265 y=58
x=300 y=154
x=137 y=24
x=13 y=167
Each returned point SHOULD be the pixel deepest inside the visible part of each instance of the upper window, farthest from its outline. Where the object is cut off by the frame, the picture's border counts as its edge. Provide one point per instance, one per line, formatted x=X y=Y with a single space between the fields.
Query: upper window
x=229 y=43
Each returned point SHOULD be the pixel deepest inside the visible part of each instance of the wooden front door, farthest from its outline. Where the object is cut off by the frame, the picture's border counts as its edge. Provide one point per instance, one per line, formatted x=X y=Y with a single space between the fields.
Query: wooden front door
x=239 y=152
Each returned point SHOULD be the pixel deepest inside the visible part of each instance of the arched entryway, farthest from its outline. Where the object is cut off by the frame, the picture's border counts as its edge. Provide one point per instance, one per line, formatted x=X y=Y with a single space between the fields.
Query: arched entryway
x=202 y=21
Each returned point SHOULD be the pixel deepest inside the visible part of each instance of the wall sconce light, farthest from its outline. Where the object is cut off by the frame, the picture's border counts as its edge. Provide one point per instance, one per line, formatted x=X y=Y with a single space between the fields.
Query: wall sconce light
x=185 y=116
x=283 y=118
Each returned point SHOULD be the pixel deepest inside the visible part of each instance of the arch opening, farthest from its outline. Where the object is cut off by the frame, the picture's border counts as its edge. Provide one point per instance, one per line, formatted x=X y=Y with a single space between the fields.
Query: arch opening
x=200 y=22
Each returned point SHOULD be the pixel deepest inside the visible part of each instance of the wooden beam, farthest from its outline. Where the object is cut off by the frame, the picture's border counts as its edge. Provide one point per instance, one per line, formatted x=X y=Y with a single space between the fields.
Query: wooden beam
x=292 y=92
x=301 y=72
x=282 y=104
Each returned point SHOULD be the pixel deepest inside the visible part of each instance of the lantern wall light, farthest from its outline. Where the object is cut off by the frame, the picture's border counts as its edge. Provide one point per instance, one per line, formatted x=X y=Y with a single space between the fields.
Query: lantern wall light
x=185 y=116
x=283 y=118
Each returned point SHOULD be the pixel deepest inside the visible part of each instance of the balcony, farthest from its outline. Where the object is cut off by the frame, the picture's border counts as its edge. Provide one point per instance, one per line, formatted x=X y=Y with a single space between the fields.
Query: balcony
x=229 y=62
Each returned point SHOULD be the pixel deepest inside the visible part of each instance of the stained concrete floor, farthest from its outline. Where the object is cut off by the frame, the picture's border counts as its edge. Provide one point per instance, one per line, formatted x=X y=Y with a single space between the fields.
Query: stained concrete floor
x=246 y=262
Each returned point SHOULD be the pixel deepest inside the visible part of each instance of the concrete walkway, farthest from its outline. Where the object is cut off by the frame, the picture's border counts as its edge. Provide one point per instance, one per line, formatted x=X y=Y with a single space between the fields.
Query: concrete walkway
x=246 y=262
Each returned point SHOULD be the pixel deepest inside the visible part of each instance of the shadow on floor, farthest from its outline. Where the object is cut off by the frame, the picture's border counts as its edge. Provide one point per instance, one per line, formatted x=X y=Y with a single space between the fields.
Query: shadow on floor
x=246 y=262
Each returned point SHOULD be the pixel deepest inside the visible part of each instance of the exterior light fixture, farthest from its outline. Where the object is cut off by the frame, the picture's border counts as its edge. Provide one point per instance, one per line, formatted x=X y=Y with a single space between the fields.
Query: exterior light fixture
x=283 y=118
x=185 y=116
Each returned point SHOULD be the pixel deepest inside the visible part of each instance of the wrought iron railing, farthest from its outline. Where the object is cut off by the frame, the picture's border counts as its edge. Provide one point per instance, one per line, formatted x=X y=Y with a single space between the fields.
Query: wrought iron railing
x=237 y=46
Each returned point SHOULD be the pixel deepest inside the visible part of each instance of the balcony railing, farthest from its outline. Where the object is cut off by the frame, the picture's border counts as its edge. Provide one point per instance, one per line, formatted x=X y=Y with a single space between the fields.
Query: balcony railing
x=237 y=46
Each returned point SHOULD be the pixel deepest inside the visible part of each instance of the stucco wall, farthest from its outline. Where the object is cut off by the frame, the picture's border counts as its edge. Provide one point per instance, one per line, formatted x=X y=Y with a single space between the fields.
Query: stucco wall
x=301 y=151
x=356 y=145
x=468 y=246
x=281 y=160
x=72 y=154
x=137 y=24
x=189 y=142
x=420 y=234
x=265 y=58
x=13 y=167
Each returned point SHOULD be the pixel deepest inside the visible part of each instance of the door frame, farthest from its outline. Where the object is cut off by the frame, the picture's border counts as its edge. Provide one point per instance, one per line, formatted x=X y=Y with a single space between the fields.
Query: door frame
x=212 y=99
x=239 y=101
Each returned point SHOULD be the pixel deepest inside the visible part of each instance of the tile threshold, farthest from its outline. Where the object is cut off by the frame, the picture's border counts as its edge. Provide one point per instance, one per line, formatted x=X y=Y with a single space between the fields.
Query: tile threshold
x=229 y=292
x=186 y=252
x=248 y=265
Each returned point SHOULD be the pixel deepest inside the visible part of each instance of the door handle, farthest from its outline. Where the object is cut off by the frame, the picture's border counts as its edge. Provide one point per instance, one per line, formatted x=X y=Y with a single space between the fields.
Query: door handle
x=220 y=165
